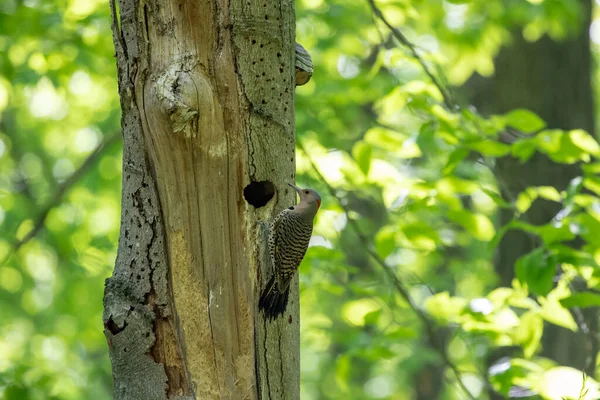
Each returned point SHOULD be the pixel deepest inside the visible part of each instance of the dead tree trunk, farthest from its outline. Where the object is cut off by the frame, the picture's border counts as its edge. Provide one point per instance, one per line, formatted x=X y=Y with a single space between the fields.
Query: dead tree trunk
x=207 y=95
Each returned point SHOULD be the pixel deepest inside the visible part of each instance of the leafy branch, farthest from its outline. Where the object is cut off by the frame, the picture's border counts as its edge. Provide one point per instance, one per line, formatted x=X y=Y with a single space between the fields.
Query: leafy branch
x=448 y=98
x=430 y=326
x=508 y=135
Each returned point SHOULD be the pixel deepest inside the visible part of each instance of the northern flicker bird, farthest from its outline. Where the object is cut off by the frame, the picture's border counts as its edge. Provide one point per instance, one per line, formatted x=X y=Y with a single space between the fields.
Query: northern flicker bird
x=289 y=234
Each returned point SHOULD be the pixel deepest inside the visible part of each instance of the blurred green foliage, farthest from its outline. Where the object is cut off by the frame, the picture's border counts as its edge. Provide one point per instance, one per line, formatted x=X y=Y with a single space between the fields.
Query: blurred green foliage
x=400 y=165
x=58 y=101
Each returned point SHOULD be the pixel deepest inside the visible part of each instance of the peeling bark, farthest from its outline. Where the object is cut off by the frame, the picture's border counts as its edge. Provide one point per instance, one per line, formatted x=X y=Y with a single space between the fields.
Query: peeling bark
x=207 y=94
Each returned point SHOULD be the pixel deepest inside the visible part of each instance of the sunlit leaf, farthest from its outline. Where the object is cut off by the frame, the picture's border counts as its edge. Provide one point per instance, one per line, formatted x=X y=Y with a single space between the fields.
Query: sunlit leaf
x=394 y=102
x=476 y=224
x=24 y=229
x=584 y=141
x=592 y=183
x=490 y=148
x=451 y=185
x=362 y=153
x=591 y=168
x=356 y=311
x=537 y=269
x=567 y=383
x=529 y=333
x=552 y=311
x=524 y=120
x=590 y=228
x=445 y=308
x=385 y=242
x=524 y=200
x=423 y=236
x=455 y=158
x=496 y=198
x=548 y=193
x=447 y=118
x=342 y=372
x=372 y=317
x=559 y=147
x=524 y=149
x=384 y=138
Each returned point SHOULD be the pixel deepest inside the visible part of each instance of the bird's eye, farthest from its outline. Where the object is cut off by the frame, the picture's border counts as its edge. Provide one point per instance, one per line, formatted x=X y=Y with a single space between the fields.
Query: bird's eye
x=306 y=192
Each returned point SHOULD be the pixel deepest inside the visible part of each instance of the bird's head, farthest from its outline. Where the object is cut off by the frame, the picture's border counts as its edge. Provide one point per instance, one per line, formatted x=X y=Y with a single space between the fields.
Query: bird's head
x=308 y=197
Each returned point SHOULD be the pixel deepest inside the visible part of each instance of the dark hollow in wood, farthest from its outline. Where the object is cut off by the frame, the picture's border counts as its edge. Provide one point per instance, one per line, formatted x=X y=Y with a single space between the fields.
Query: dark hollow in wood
x=258 y=194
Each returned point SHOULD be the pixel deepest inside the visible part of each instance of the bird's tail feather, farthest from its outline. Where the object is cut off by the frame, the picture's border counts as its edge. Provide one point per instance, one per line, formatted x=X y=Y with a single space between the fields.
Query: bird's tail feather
x=272 y=301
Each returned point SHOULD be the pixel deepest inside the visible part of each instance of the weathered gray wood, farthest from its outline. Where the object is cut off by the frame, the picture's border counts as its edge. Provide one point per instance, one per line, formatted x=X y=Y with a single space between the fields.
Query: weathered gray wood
x=207 y=93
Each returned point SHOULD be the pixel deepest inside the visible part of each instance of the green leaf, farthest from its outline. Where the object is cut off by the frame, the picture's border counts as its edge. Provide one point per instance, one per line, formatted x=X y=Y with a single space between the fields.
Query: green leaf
x=584 y=141
x=496 y=198
x=566 y=383
x=451 y=185
x=591 y=228
x=445 y=308
x=455 y=158
x=372 y=317
x=529 y=332
x=490 y=148
x=591 y=169
x=567 y=255
x=384 y=138
x=421 y=235
x=478 y=225
x=385 y=241
x=393 y=102
x=559 y=147
x=446 y=118
x=355 y=311
x=583 y=300
x=381 y=352
x=548 y=193
x=554 y=312
x=24 y=228
x=537 y=270
x=342 y=372
x=592 y=183
x=514 y=224
x=524 y=200
x=362 y=153
x=555 y=232
x=524 y=120
x=426 y=136
x=529 y=195
x=401 y=333
x=523 y=149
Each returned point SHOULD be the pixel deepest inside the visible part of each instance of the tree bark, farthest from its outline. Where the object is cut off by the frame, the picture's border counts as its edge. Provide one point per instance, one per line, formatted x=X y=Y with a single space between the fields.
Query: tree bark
x=553 y=79
x=207 y=95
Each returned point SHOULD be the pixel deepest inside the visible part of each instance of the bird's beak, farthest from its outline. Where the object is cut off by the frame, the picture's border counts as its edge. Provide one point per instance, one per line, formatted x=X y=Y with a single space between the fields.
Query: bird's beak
x=296 y=188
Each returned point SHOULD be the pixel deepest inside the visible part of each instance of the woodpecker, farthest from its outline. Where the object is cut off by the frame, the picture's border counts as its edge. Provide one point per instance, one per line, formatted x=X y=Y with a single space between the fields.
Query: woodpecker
x=289 y=234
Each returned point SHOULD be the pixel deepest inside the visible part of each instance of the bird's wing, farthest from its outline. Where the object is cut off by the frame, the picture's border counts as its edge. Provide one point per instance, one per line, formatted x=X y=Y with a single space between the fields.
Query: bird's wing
x=275 y=242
